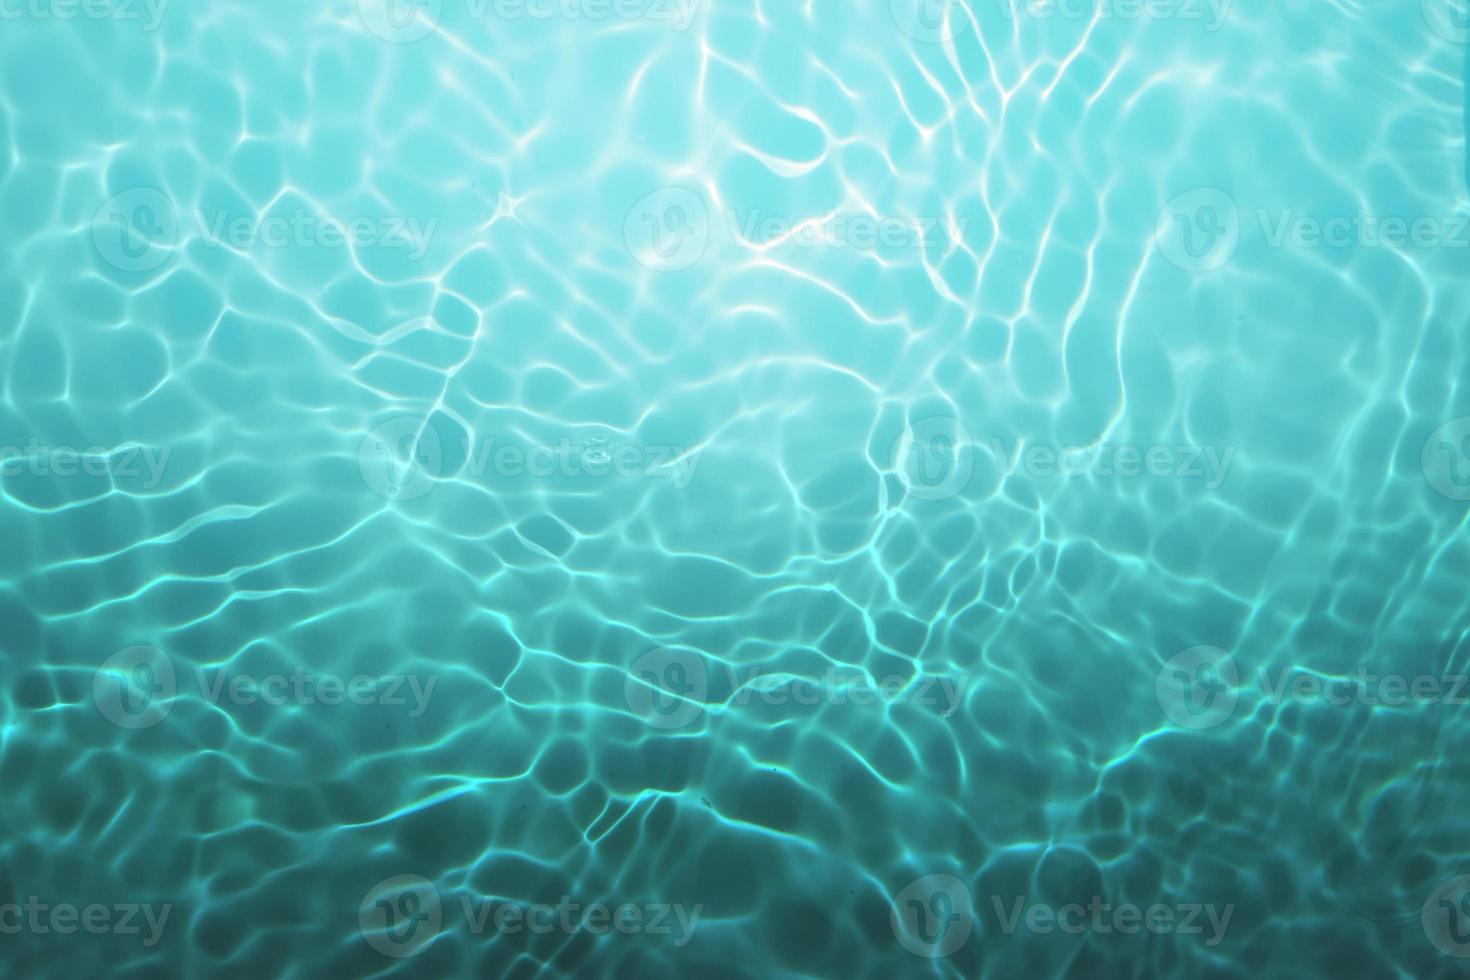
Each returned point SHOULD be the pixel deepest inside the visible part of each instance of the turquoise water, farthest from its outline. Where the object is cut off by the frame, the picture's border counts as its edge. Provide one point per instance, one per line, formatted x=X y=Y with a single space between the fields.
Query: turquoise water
x=734 y=488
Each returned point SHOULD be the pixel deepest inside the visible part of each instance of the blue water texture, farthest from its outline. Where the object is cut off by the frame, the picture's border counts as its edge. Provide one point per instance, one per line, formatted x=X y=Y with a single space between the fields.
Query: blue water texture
x=734 y=489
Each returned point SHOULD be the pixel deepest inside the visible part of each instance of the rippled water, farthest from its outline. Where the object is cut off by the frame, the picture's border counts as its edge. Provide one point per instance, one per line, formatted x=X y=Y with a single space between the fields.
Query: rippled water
x=743 y=488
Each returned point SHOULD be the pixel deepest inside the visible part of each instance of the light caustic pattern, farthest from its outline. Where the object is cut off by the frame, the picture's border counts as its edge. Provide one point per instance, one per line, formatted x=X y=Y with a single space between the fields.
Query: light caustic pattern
x=831 y=478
